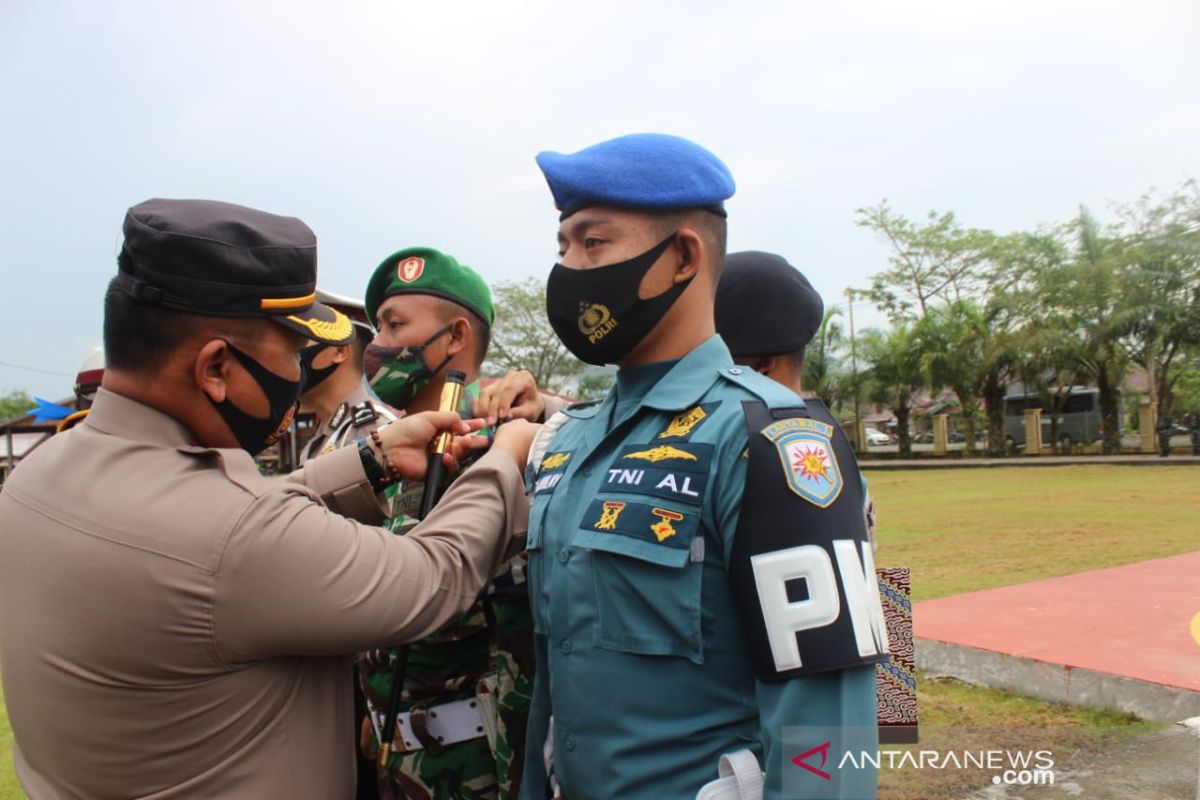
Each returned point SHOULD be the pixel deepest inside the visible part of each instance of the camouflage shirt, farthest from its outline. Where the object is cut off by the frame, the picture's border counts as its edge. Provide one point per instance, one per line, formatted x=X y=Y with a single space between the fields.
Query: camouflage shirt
x=486 y=653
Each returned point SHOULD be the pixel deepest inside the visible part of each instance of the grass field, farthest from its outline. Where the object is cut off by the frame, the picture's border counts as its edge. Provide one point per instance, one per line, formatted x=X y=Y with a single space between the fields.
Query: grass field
x=966 y=529
x=958 y=717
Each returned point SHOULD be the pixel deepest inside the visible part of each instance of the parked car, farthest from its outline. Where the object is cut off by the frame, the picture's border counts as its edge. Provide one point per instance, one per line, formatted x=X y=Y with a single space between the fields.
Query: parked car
x=876 y=436
x=926 y=437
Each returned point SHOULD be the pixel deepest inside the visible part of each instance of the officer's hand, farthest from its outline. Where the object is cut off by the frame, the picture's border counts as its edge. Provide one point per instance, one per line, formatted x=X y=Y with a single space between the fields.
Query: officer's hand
x=406 y=441
x=513 y=396
x=515 y=438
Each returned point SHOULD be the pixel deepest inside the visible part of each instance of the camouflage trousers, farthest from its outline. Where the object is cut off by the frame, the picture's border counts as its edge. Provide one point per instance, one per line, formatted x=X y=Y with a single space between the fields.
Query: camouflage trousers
x=485 y=768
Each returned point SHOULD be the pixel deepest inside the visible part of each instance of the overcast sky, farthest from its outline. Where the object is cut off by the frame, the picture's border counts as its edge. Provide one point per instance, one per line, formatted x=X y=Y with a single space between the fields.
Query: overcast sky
x=390 y=124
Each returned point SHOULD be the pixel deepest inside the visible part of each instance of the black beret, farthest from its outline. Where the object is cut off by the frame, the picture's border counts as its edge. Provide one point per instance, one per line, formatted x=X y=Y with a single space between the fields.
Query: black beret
x=220 y=259
x=765 y=307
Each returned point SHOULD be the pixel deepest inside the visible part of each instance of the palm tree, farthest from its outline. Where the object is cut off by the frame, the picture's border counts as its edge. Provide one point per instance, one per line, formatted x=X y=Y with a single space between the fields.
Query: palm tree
x=821 y=373
x=894 y=372
x=1082 y=302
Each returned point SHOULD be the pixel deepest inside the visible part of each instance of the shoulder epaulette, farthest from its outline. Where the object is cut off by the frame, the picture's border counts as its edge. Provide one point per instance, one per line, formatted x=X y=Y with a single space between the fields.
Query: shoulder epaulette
x=364 y=414
x=773 y=393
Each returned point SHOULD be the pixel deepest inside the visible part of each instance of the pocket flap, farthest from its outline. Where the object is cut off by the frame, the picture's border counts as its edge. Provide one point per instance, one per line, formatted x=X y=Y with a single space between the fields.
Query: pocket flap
x=636 y=548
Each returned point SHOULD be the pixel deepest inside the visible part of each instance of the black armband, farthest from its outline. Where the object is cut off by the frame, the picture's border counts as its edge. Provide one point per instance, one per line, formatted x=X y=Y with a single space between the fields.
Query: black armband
x=801 y=564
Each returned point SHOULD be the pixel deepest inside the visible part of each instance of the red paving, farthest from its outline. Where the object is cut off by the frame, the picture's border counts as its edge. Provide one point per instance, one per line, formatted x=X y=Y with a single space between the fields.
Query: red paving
x=1132 y=620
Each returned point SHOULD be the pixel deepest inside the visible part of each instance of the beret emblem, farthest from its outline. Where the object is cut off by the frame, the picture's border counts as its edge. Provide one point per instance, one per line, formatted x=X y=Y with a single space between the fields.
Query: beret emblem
x=410 y=269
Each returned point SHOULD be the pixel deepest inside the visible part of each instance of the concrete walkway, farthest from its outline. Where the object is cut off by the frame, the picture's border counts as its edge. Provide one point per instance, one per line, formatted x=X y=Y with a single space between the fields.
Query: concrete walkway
x=1125 y=638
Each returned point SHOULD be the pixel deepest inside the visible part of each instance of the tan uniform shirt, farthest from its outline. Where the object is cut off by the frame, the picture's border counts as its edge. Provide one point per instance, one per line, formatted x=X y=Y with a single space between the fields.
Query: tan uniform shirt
x=338 y=428
x=173 y=624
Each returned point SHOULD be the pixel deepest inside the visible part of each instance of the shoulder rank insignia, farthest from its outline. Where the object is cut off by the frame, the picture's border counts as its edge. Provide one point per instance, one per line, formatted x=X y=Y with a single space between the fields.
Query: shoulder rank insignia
x=555 y=460
x=661 y=453
x=809 y=463
x=364 y=414
x=339 y=414
x=683 y=423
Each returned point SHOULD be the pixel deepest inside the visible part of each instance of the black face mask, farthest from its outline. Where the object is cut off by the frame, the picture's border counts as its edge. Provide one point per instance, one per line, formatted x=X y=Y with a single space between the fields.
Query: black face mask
x=597 y=313
x=313 y=376
x=255 y=434
x=398 y=374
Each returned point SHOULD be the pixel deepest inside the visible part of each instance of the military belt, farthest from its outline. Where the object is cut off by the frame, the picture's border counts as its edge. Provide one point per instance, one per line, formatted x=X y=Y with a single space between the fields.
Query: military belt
x=437 y=726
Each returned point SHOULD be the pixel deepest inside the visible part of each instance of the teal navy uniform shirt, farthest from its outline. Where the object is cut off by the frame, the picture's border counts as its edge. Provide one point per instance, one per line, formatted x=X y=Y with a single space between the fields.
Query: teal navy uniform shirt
x=641 y=656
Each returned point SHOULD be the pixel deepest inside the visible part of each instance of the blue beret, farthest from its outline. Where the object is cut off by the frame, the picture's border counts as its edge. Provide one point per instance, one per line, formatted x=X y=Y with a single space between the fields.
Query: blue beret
x=651 y=171
x=765 y=306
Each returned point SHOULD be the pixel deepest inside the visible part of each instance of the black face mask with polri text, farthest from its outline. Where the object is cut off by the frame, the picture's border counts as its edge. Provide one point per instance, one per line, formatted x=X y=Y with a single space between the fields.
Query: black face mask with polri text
x=597 y=313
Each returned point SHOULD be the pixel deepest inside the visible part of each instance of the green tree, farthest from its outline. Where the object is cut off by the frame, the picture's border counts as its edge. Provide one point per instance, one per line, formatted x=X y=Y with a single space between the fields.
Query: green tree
x=523 y=339
x=894 y=373
x=1156 y=248
x=1021 y=343
x=954 y=340
x=938 y=260
x=1187 y=386
x=966 y=287
x=822 y=369
x=15 y=403
x=1081 y=302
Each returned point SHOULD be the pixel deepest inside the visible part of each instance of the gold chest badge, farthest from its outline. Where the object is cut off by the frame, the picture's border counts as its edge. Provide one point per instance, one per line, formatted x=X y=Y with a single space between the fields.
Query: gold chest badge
x=683 y=423
x=608 y=517
x=661 y=453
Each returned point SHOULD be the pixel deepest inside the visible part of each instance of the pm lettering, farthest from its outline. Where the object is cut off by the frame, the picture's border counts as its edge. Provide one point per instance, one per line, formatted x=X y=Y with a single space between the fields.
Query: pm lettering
x=862 y=596
x=784 y=619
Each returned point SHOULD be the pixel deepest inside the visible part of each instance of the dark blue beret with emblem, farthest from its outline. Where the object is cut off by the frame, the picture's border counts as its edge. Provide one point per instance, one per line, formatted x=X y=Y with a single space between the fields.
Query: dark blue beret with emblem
x=643 y=171
x=765 y=306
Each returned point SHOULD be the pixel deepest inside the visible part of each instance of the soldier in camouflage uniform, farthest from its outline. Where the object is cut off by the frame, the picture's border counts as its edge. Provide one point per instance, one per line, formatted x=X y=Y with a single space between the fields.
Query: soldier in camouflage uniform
x=469 y=684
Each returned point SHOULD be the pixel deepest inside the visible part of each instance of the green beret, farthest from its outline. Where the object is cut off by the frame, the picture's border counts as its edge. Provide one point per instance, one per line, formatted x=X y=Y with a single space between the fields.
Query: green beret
x=423 y=270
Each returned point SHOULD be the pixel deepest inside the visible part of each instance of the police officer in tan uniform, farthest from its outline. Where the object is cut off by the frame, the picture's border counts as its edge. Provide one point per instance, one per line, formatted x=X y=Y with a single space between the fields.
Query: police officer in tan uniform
x=335 y=393
x=179 y=626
